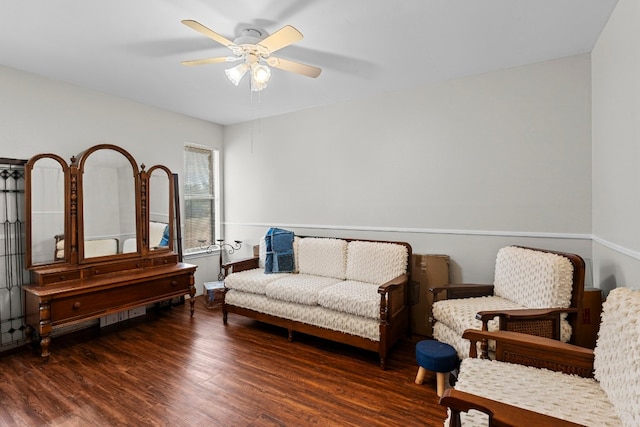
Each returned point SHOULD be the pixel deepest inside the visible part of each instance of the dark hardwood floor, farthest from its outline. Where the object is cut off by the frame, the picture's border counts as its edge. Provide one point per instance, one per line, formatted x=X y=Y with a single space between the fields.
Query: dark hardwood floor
x=172 y=370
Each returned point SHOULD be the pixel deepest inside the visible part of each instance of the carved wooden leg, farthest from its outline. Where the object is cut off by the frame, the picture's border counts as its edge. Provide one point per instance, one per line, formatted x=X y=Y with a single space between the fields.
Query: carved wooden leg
x=192 y=301
x=420 y=375
x=442 y=382
x=45 y=328
x=44 y=347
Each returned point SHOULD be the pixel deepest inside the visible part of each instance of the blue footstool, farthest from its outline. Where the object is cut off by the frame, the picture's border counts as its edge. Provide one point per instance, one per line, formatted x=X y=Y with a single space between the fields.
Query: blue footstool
x=437 y=357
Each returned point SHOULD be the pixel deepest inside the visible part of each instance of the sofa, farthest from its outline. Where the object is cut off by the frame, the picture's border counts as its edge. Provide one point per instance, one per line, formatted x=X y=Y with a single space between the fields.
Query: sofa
x=346 y=290
x=547 y=382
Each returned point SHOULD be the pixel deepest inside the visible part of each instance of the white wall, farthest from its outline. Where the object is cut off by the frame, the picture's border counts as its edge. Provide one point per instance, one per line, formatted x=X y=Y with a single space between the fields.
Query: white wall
x=616 y=149
x=38 y=115
x=461 y=168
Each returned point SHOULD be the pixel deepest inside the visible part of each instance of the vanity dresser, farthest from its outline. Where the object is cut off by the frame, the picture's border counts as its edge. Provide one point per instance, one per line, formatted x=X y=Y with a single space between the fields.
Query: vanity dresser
x=100 y=239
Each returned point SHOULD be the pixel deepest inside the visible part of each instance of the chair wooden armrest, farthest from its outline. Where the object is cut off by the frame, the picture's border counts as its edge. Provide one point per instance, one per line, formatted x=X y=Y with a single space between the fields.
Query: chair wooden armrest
x=531 y=350
x=500 y=414
x=462 y=290
x=240 y=265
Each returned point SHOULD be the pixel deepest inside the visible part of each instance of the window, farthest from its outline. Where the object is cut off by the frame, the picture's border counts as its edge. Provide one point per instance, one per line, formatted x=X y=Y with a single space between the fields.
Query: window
x=201 y=165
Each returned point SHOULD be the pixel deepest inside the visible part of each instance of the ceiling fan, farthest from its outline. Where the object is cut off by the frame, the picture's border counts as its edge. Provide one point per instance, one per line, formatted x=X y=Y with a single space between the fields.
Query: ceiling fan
x=254 y=51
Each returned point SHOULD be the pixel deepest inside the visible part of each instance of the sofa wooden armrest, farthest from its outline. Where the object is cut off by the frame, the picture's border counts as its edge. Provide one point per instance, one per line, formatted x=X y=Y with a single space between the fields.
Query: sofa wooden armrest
x=393 y=284
x=462 y=290
x=539 y=352
x=240 y=265
x=393 y=297
x=500 y=414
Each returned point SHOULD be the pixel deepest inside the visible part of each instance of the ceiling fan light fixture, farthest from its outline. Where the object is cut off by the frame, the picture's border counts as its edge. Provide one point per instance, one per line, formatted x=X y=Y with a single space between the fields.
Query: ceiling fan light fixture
x=236 y=73
x=260 y=73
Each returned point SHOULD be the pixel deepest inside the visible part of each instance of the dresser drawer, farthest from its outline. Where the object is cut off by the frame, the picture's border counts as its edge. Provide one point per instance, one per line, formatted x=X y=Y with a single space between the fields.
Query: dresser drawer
x=95 y=303
x=60 y=277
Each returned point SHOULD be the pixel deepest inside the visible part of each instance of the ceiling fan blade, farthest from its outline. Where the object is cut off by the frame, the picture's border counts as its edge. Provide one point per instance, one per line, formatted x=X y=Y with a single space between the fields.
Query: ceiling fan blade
x=281 y=38
x=294 y=67
x=208 y=32
x=206 y=61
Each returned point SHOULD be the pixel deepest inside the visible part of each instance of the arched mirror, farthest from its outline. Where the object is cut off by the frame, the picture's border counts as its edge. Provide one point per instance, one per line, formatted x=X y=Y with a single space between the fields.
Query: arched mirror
x=47 y=181
x=108 y=208
x=160 y=209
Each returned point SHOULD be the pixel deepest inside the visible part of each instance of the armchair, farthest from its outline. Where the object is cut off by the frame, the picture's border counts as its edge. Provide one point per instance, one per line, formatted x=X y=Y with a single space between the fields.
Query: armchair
x=535 y=291
x=534 y=378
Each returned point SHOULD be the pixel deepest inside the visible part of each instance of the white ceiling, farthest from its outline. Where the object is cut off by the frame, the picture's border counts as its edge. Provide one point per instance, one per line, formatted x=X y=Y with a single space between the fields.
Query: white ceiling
x=133 y=48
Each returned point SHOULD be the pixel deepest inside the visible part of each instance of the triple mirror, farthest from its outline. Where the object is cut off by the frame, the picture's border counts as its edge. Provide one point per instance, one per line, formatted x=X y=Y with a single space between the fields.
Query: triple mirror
x=100 y=207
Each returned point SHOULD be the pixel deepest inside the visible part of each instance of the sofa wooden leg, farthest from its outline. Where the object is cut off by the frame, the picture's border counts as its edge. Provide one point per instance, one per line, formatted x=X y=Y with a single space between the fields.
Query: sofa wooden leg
x=420 y=376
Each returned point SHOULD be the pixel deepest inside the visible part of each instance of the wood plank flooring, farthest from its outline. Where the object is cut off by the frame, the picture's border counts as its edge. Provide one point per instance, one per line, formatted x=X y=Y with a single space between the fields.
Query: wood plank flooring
x=172 y=370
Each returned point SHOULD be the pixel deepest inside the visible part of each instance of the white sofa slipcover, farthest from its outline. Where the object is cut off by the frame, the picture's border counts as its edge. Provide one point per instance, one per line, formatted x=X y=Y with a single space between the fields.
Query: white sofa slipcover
x=351 y=291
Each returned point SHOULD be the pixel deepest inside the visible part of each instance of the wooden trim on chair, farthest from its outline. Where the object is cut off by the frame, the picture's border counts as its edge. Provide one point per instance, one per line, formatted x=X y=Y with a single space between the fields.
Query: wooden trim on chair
x=535 y=351
x=500 y=414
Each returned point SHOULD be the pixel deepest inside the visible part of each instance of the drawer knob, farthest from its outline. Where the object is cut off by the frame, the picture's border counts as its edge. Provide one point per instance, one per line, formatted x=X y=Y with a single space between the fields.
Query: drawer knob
x=174 y=283
x=76 y=305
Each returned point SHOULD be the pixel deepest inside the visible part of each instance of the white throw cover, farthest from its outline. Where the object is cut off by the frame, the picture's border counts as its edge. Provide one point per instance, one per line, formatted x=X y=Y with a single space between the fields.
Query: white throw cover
x=322 y=257
x=611 y=399
x=299 y=288
x=617 y=353
x=156 y=231
x=92 y=248
x=100 y=247
x=359 y=298
x=524 y=278
x=375 y=262
x=551 y=393
x=533 y=279
x=311 y=315
x=254 y=280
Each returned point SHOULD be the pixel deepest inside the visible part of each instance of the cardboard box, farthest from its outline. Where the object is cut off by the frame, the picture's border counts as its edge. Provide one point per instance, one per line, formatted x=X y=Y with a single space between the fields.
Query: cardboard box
x=213 y=294
x=426 y=271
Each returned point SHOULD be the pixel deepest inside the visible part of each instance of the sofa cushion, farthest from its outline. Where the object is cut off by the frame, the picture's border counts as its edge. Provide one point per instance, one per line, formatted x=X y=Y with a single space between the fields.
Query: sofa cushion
x=559 y=395
x=617 y=365
x=299 y=288
x=322 y=257
x=359 y=298
x=533 y=279
x=254 y=280
x=375 y=262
